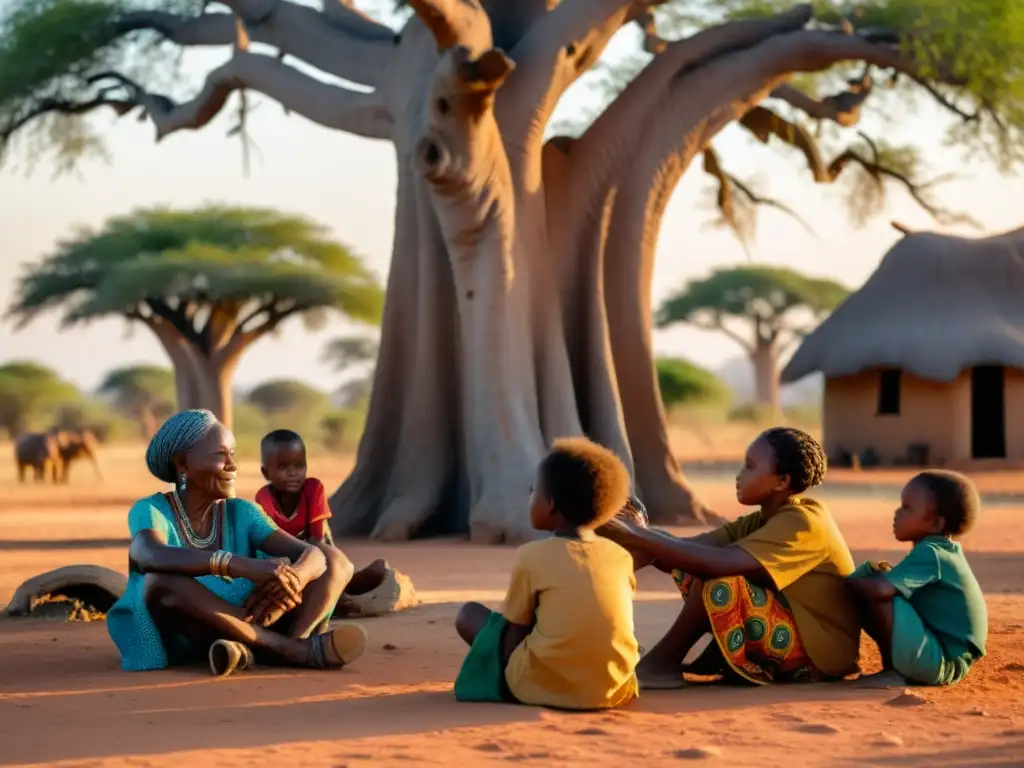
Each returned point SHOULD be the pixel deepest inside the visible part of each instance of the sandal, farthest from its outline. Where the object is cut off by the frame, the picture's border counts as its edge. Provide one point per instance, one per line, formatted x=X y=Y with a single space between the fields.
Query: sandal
x=227 y=656
x=338 y=647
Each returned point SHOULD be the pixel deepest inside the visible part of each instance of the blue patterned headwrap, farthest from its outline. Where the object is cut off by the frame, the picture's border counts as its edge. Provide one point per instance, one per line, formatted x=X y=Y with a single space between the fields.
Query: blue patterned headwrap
x=178 y=434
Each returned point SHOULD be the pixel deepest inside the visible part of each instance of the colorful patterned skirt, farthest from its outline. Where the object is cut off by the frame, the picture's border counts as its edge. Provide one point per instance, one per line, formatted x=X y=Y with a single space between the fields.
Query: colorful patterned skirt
x=754 y=630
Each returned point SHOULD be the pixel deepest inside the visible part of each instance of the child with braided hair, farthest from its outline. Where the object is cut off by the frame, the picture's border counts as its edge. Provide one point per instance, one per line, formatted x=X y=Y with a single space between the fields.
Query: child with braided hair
x=769 y=587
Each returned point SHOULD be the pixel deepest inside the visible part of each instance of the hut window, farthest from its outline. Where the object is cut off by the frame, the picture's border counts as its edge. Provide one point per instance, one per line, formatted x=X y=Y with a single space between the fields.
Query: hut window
x=889 y=393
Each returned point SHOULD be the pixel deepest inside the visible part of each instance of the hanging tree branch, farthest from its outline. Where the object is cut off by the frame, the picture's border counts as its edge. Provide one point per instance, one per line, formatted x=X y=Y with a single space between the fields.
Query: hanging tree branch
x=296 y=30
x=361 y=113
x=737 y=201
x=763 y=123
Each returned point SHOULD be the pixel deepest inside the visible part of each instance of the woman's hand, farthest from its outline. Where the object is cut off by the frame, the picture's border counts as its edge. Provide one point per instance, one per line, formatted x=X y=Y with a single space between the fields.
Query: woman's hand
x=278 y=587
x=617 y=529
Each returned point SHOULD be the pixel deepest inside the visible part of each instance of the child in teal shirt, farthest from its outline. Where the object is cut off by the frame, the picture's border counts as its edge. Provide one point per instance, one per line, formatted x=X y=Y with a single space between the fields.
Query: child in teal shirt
x=927 y=613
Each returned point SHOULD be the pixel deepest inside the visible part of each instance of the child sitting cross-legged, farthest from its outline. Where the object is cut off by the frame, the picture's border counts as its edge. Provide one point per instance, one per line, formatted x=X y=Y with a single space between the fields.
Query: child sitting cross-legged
x=927 y=613
x=565 y=635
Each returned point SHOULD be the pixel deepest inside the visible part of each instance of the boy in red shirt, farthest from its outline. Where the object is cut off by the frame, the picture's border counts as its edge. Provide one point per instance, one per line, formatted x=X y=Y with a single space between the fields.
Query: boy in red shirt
x=297 y=504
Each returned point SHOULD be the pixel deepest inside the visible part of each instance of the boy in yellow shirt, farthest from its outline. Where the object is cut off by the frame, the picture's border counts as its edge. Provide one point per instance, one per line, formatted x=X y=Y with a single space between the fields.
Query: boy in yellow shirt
x=565 y=636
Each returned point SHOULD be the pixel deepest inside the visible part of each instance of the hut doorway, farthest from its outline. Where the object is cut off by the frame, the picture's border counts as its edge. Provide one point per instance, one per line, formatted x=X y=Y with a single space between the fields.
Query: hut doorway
x=988 y=412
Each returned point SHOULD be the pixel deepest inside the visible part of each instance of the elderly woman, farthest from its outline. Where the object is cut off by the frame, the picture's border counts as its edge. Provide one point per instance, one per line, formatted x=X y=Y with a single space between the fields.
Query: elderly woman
x=197 y=584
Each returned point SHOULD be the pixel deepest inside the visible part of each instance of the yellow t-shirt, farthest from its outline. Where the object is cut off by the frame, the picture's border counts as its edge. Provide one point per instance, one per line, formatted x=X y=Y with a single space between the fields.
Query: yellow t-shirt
x=582 y=652
x=805 y=554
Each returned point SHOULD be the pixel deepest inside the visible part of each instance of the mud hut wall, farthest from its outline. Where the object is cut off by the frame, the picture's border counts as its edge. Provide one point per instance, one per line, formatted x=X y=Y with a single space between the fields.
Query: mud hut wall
x=935 y=413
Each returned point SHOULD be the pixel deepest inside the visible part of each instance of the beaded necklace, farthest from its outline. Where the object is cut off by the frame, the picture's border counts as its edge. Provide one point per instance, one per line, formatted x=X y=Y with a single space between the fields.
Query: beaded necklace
x=195 y=541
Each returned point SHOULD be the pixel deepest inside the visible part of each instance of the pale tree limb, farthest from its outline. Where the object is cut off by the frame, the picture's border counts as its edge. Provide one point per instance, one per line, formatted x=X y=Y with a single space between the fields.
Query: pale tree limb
x=363 y=114
x=843 y=108
x=557 y=50
x=613 y=140
x=512 y=19
x=295 y=30
x=456 y=22
x=344 y=15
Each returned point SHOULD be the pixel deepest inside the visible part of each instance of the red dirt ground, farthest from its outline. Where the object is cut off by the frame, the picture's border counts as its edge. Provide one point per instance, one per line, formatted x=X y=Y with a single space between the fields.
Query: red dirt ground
x=64 y=700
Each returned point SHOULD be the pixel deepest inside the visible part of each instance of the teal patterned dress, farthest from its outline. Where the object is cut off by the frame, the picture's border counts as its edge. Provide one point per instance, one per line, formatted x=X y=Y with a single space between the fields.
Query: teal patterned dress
x=246 y=528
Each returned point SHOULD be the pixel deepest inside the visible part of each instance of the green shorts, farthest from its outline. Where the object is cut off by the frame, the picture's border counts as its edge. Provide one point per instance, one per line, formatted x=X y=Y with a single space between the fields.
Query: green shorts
x=482 y=677
x=917 y=653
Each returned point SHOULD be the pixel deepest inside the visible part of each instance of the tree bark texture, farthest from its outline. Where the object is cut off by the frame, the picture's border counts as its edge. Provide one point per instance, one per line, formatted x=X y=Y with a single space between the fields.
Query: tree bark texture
x=518 y=305
x=765 y=360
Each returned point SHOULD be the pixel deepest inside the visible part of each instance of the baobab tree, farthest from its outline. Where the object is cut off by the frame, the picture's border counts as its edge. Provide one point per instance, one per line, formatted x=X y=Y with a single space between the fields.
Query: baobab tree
x=518 y=306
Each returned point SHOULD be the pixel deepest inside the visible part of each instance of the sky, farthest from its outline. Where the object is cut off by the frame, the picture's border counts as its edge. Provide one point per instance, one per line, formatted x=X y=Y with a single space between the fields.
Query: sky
x=349 y=183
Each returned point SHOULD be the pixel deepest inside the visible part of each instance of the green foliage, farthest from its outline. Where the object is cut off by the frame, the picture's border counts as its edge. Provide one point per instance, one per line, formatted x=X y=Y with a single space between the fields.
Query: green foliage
x=340 y=429
x=760 y=414
x=51 y=52
x=761 y=294
x=138 y=389
x=182 y=265
x=30 y=396
x=683 y=383
x=348 y=351
x=284 y=396
x=249 y=424
x=97 y=417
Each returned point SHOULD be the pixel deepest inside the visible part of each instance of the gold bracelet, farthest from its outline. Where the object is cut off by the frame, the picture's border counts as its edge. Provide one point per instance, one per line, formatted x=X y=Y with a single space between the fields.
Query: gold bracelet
x=215 y=563
x=224 y=565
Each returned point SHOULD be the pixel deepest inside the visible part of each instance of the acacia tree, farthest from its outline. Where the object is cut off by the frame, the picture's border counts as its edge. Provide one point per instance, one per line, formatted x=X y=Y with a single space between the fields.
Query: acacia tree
x=208 y=283
x=768 y=301
x=518 y=305
x=287 y=395
x=145 y=393
x=28 y=391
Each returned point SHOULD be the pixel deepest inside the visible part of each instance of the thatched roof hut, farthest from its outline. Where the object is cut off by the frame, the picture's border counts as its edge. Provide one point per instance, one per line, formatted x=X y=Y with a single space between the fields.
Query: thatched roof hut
x=935 y=306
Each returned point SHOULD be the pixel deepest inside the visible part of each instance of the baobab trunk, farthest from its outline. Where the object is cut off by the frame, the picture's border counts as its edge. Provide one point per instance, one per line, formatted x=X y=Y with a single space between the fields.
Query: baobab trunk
x=765 y=360
x=518 y=301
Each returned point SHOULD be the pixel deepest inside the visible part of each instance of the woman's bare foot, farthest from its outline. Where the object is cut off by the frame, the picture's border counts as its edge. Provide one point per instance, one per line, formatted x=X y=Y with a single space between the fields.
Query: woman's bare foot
x=888 y=678
x=337 y=647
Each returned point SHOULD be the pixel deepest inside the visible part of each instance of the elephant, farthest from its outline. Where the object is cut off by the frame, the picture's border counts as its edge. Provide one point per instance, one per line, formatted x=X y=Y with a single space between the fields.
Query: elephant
x=51 y=453
x=41 y=452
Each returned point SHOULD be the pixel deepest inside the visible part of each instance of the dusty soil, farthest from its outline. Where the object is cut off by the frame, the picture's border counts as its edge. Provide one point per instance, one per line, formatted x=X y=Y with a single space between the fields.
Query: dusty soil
x=64 y=700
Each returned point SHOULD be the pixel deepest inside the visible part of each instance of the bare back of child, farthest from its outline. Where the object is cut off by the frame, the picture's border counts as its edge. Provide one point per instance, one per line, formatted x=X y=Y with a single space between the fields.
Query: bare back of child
x=575 y=648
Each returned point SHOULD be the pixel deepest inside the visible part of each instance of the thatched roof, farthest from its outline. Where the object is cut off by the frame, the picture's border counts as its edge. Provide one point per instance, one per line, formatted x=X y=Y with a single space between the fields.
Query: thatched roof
x=936 y=305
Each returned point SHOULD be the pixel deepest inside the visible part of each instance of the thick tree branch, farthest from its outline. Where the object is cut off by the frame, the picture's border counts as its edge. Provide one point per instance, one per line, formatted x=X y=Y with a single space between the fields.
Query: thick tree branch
x=243 y=337
x=843 y=108
x=613 y=140
x=455 y=22
x=361 y=113
x=177 y=320
x=557 y=50
x=361 y=54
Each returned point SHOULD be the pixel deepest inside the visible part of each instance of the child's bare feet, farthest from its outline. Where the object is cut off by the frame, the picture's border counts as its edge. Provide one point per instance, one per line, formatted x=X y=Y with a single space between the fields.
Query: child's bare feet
x=888 y=678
